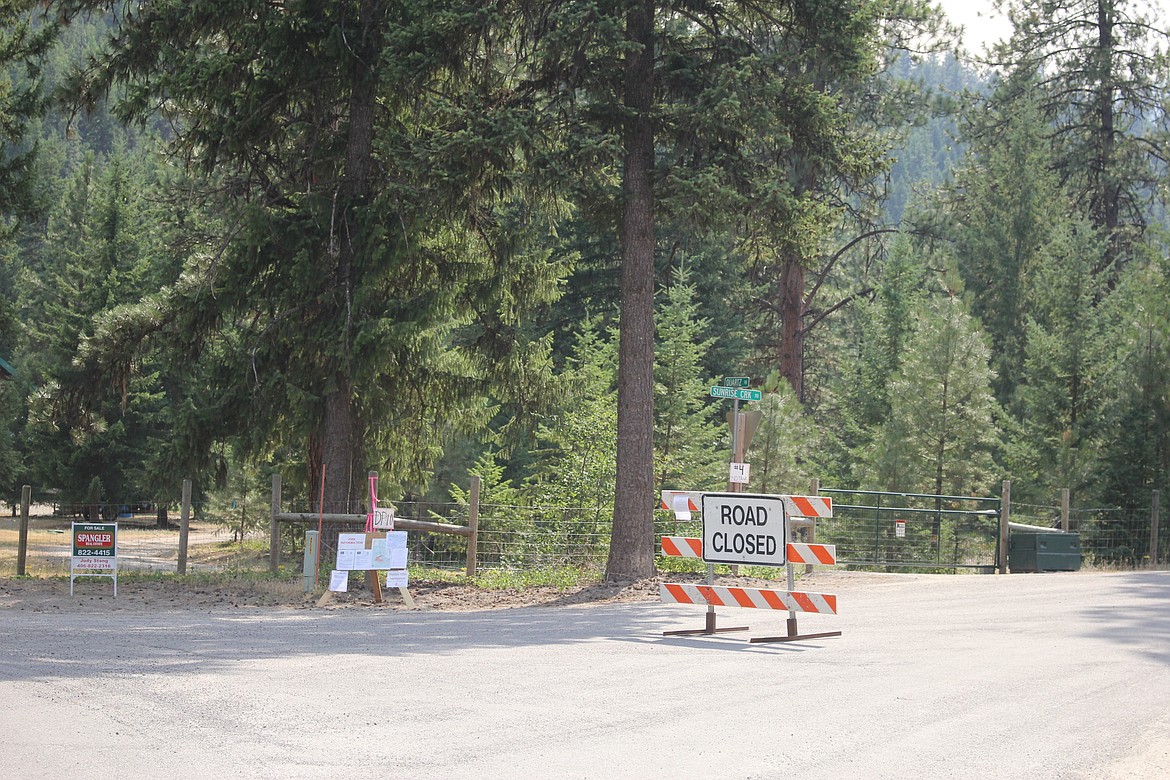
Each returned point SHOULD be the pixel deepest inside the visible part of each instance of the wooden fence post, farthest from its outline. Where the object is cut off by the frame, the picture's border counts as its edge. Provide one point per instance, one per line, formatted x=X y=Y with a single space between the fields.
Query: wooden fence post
x=1155 y=509
x=274 y=527
x=184 y=526
x=1064 y=509
x=1005 y=515
x=22 y=543
x=473 y=524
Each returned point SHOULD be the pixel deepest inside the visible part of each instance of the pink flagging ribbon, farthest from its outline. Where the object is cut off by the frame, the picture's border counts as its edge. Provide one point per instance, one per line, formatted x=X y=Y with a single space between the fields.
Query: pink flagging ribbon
x=373 y=504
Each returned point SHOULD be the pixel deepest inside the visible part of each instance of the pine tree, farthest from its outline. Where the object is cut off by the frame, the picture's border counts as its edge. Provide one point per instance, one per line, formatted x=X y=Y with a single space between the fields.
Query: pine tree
x=578 y=444
x=23 y=46
x=871 y=342
x=85 y=265
x=1005 y=206
x=685 y=440
x=370 y=284
x=1062 y=395
x=1134 y=443
x=941 y=435
x=1099 y=69
x=716 y=117
x=783 y=443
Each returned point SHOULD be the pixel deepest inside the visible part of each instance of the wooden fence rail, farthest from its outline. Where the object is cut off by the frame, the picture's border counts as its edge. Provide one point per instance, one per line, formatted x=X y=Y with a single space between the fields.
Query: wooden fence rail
x=470 y=531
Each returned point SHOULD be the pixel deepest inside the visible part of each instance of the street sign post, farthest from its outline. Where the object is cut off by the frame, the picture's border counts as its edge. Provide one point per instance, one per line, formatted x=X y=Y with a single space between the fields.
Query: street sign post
x=736 y=381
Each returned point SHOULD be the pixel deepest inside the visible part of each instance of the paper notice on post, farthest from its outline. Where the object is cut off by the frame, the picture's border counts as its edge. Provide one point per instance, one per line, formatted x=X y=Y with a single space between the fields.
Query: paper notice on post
x=682 y=508
x=380 y=559
x=351 y=541
x=339 y=581
x=345 y=559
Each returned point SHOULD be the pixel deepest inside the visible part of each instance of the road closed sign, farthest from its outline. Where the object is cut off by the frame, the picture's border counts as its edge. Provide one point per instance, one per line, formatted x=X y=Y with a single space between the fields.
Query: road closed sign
x=744 y=528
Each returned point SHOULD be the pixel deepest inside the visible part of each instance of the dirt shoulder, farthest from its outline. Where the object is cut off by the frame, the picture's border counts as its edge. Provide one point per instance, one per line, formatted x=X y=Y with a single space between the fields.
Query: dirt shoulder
x=227 y=593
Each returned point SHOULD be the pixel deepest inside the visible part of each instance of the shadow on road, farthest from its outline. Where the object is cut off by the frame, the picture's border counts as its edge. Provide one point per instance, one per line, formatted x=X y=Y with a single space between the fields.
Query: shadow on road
x=1139 y=618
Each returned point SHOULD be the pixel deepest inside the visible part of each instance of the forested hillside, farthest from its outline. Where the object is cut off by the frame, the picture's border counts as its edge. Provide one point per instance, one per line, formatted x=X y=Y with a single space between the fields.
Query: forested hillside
x=524 y=239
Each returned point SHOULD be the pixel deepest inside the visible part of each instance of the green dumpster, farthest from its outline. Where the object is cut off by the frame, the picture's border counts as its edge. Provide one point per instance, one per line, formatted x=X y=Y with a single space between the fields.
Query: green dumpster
x=1029 y=551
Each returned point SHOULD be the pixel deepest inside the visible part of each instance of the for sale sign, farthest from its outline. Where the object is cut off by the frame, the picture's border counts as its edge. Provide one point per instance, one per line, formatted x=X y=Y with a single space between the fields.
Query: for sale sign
x=95 y=552
x=95 y=540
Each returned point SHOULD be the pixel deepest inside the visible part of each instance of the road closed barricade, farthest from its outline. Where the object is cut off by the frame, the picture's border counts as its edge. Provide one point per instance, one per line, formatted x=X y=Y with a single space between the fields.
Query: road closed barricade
x=748 y=529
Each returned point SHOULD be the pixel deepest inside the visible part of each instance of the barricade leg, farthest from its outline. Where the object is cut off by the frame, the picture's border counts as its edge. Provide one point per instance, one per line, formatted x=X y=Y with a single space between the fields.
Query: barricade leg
x=709 y=627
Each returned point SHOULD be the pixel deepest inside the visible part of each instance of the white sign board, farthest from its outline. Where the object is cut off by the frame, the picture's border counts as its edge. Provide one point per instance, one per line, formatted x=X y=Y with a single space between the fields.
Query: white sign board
x=384 y=519
x=746 y=528
x=95 y=552
x=740 y=473
x=372 y=552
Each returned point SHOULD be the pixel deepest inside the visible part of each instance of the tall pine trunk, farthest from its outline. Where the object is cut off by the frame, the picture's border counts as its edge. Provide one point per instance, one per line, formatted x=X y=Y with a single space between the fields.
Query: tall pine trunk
x=1108 y=194
x=631 y=552
x=342 y=430
x=792 y=305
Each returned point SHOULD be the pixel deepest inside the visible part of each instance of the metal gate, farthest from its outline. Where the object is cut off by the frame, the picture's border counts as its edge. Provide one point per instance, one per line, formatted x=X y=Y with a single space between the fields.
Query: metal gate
x=897 y=531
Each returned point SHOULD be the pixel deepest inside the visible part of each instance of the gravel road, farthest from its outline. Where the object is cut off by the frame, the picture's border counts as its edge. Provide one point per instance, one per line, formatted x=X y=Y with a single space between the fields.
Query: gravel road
x=1025 y=676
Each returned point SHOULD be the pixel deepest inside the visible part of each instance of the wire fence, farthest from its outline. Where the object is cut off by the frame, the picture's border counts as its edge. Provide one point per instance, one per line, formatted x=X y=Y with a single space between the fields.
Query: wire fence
x=143 y=544
x=896 y=531
x=1109 y=536
x=510 y=537
x=870 y=530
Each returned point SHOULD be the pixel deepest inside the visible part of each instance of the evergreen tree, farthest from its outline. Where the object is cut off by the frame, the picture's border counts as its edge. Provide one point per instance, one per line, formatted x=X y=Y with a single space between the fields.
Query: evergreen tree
x=941 y=434
x=1005 y=205
x=371 y=283
x=1134 y=456
x=578 y=444
x=780 y=450
x=1061 y=400
x=685 y=440
x=1099 y=69
x=716 y=117
x=23 y=45
x=869 y=346
x=87 y=263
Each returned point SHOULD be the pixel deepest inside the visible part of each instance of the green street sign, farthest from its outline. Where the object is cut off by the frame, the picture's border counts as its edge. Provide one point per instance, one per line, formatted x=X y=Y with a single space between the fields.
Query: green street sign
x=718 y=391
x=736 y=381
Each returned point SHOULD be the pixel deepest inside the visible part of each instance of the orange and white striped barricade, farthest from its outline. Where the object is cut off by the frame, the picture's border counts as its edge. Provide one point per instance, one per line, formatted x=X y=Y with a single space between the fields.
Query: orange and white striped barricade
x=682 y=502
x=808 y=506
x=752 y=598
x=749 y=598
x=797 y=552
x=682 y=547
x=752 y=529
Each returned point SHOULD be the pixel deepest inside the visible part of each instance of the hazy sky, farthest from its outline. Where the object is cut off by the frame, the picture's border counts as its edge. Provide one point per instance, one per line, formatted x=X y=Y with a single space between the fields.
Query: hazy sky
x=982 y=24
